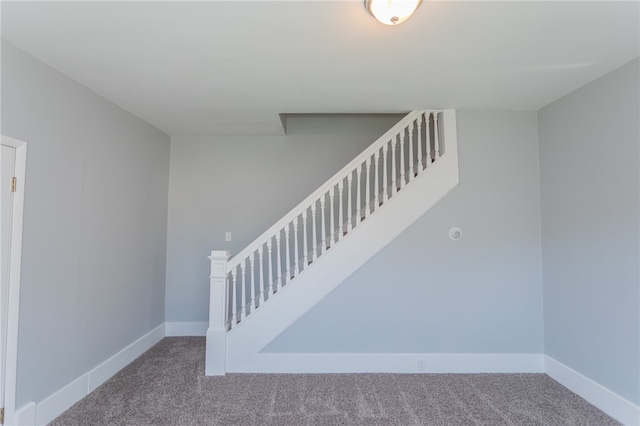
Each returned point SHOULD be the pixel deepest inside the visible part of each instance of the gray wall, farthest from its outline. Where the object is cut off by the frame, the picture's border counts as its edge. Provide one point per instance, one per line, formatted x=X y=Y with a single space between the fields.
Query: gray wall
x=589 y=161
x=94 y=249
x=244 y=185
x=426 y=293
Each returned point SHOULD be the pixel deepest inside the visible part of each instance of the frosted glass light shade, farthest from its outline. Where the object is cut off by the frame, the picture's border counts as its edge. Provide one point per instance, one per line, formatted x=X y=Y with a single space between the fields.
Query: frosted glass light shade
x=392 y=12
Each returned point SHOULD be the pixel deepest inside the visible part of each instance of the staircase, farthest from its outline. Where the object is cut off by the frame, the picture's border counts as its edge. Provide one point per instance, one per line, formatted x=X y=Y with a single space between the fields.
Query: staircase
x=265 y=288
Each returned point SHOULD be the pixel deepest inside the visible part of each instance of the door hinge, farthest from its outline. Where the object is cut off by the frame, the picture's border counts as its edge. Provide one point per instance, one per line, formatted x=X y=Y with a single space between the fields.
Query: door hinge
x=14 y=182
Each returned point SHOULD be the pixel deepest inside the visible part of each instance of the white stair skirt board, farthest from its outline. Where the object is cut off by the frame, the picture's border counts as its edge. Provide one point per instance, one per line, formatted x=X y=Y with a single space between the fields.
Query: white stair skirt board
x=182 y=329
x=51 y=407
x=624 y=411
x=396 y=363
x=342 y=260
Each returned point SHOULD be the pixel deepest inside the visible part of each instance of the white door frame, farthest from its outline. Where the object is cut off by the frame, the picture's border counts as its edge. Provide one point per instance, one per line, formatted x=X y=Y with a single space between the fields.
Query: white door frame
x=11 y=356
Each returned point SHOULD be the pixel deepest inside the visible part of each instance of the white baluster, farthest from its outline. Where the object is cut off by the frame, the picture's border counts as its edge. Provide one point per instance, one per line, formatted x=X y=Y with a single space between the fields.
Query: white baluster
x=340 y=212
x=296 y=248
x=367 y=196
x=436 y=136
x=260 y=257
x=358 y=198
x=394 y=176
x=376 y=198
x=403 y=170
x=350 y=197
x=332 y=230
x=252 y=261
x=411 y=165
x=279 y=282
x=385 y=178
x=287 y=274
x=234 y=302
x=227 y=307
x=314 y=243
x=428 y=137
x=420 y=162
x=305 y=250
x=323 y=236
x=243 y=295
x=270 y=251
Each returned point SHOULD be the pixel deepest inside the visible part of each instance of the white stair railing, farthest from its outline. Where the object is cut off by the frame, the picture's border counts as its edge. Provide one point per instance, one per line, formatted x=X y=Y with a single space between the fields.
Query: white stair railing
x=287 y=249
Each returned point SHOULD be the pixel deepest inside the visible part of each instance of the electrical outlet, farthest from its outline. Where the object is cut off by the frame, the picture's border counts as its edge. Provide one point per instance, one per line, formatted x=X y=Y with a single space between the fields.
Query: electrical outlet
x=422 y=364
x=227 y=236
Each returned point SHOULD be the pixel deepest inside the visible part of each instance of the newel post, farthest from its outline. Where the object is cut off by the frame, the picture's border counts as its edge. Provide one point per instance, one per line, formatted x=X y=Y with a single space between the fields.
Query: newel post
x=216 y=354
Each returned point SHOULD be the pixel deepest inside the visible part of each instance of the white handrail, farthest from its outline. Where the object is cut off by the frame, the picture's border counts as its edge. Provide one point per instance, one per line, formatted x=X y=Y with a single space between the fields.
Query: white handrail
x=350 y=167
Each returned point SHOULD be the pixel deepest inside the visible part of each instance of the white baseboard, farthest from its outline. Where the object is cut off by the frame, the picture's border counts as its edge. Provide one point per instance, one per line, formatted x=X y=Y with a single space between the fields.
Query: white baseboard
x=395 y=363
x=51 y=407
x=57 y=403
x=110 y=367
x=26 y=415
x=186 y=328
x=610 y=402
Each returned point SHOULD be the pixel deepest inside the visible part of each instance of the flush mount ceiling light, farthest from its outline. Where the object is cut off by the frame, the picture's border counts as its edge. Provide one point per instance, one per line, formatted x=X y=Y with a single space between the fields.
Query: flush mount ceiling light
x=392 y=12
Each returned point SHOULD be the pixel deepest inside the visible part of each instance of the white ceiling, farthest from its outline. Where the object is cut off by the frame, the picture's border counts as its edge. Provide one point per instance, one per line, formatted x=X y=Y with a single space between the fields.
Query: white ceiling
x=229 y=67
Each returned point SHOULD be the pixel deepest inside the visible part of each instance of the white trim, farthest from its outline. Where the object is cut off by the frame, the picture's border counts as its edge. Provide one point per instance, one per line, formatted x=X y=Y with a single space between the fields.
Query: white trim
x=611 y=403
x=619 y=408
x=15 y=267
x=60 y=401
x=186 y=328
x=25 y=415
x=57 y=403
x=110 y=367
x=312 y=363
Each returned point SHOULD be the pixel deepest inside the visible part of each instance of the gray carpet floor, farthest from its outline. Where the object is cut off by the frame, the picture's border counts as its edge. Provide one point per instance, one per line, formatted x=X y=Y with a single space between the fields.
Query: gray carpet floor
x=167 y=386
